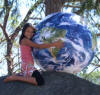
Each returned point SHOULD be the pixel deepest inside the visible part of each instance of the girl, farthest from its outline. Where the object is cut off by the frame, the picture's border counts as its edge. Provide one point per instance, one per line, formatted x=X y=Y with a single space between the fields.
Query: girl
x=29 y=73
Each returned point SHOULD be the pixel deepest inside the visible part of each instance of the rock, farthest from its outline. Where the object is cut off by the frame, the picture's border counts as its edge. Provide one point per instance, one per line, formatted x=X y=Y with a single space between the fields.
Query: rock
x=56 y=83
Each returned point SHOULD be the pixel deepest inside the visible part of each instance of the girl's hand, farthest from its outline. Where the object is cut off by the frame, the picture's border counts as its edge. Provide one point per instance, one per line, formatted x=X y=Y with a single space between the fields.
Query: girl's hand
x=59 y=44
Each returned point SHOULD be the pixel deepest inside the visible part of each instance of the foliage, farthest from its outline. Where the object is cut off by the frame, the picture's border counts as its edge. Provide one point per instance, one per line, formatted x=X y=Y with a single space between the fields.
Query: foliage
x=93 y=77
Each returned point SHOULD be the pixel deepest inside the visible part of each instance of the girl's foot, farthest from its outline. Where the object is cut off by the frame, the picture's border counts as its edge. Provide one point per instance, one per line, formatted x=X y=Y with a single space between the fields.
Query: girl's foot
x=22 y=79
x=10 y=78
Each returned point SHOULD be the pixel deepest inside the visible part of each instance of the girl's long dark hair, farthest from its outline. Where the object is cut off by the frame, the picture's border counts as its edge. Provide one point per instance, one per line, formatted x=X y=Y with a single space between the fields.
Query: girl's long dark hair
x=24 y=29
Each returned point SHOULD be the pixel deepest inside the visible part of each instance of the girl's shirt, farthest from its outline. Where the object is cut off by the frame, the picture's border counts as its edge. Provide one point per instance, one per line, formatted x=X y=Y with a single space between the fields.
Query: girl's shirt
x=27 y=66
x=26 y=54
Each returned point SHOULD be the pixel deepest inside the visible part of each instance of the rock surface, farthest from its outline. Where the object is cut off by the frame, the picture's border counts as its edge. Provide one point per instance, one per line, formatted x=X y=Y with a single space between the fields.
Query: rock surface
x=56 y=83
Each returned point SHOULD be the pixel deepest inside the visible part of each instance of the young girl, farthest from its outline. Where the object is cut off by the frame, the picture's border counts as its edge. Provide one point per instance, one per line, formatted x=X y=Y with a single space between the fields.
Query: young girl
x=29 y=73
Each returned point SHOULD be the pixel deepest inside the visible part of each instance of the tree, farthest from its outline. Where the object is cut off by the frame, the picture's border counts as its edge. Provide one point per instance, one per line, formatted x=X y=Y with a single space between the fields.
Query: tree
x=5 y=11
x=9 y=10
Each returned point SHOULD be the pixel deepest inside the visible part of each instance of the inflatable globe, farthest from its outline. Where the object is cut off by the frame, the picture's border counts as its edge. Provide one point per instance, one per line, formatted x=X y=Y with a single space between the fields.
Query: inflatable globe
x=78 y=50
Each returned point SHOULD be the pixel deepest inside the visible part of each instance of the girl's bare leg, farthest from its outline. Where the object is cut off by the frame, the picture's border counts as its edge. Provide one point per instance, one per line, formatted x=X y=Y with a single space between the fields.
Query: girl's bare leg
x=21 y=78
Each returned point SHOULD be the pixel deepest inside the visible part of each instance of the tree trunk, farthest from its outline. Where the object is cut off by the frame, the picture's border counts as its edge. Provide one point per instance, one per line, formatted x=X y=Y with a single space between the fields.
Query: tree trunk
x=52 y=6
x=8 y=57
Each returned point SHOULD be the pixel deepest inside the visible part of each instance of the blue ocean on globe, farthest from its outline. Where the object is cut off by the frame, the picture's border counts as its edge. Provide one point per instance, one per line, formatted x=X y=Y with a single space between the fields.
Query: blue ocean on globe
x=78 y=50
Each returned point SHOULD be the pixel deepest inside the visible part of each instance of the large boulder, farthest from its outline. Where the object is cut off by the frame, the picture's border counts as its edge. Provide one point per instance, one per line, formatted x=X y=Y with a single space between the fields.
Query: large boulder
x=56 y=83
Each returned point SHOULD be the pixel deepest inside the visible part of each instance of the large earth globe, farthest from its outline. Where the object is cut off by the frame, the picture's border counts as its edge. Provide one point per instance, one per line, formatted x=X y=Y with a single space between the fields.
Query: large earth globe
x=78 y=50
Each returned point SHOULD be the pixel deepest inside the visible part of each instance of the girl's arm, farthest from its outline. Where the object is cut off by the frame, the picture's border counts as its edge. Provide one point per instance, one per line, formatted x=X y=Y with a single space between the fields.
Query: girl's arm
x=28 y=42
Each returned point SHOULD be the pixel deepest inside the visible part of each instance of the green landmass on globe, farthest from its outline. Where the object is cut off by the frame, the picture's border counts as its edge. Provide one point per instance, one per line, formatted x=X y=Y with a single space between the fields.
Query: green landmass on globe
x=54 y=35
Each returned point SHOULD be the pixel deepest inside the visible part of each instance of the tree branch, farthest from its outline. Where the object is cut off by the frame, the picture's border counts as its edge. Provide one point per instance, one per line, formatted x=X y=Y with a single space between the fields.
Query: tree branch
x=7 y=8
x=35 y=18
x=6 y=17
x=97 y=57
x=4 y=31
x=72 y=6
x=2 y=40
x=73 y=0
x=91 y=72
x=97 y=65
x=98 y=34
x=25 y=19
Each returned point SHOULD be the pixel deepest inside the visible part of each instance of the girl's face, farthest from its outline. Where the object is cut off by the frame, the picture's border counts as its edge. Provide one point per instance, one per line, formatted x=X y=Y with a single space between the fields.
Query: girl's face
x=29 y=32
